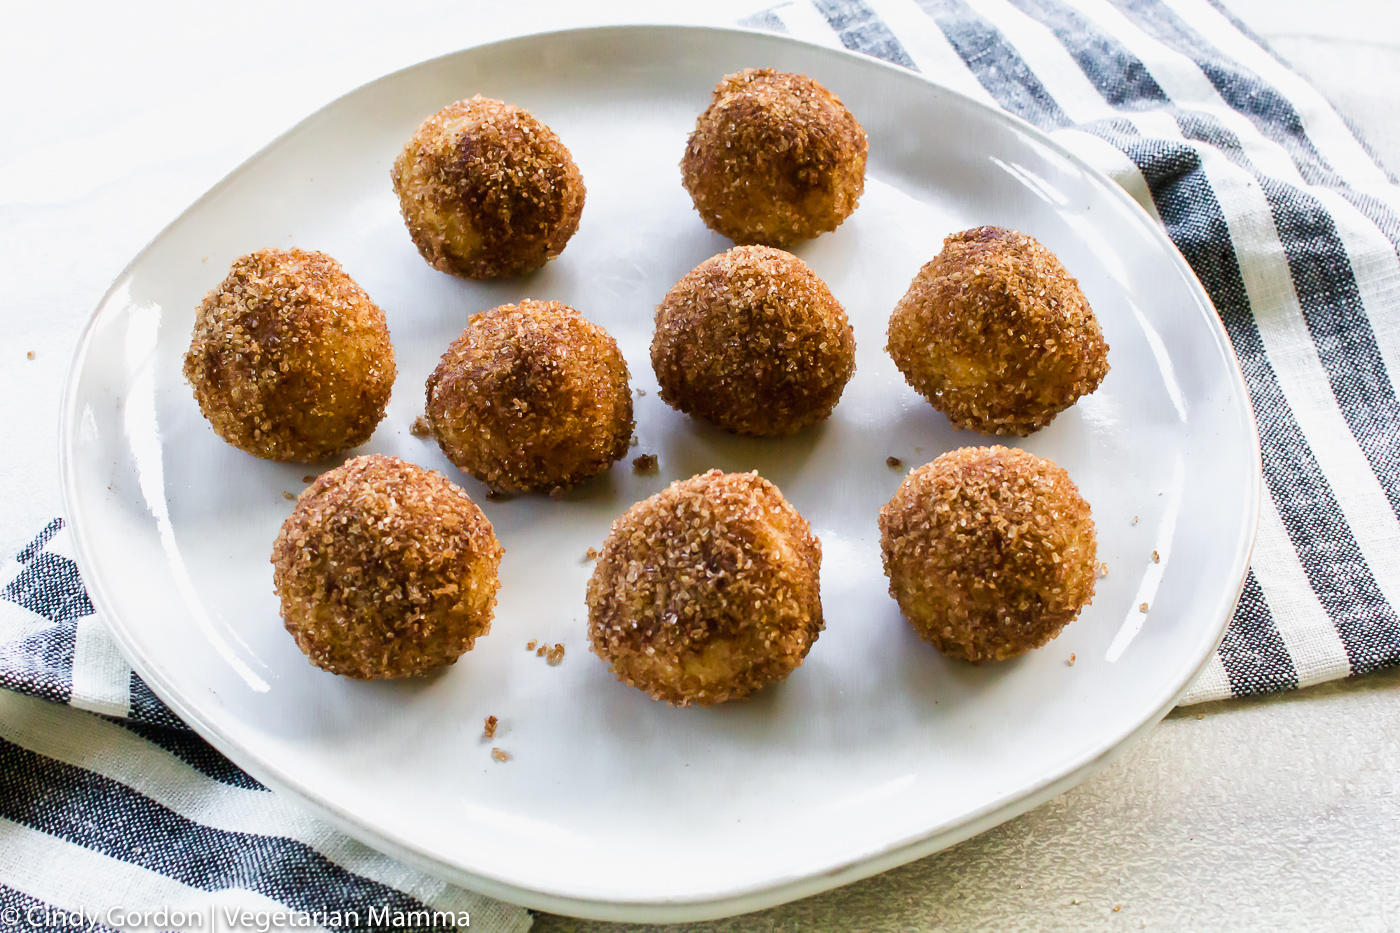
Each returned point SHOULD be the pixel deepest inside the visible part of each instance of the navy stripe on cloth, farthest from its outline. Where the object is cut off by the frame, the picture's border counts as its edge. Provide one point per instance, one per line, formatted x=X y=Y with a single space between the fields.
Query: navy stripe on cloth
x=998 y=67
x=50 y=586
x=1331 y=305
x=1242 y=89
x=1258 y=40
x=1325 y=545
x=41 y=664
x=861 y=30
x=145 y=706
x=193 y=751
x=107 y=817
x=33 y=547
x=1253 y=654
x=764 y=19
x=1271 y=113
x=1118 y=75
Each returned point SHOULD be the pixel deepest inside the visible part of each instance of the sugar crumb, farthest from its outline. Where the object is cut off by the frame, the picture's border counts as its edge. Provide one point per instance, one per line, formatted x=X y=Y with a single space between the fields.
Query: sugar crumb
x=288 y=496
x=309 y=478
x=540 y=651
x=591 y=554
x=632 y=441
x=1103 y=570
x=490 y=728
x=29 y=355
x=646 y=463
x=500 y=754
x=420 y=427
x=894 y=463
x=530 y=645
x=1135 y=519
x=1070 y=662
x=555 y=655
x=641 y=392
x=1156 y=558
x=556 y=493
x=1200 y=715
x=1142 y=608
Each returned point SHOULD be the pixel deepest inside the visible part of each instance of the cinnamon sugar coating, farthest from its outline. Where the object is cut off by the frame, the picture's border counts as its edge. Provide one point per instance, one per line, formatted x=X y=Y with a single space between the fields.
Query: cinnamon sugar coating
x=385 y=569
x=753 y=341
x=290 y=359
x=531 y=396
x=776 y=158
x=990 y=552
x=487 y=190
x=996 y=334
x=707 y=591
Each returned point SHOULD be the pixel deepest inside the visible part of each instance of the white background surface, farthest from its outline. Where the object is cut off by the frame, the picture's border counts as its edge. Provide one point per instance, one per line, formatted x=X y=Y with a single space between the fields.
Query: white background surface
x=1269 y=814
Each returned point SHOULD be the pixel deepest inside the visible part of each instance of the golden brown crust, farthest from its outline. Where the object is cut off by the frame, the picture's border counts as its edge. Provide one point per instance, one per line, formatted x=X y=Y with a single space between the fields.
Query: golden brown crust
x=487 y=190
x=531 y=396
x=990 y=551
x=752 y=340
x=385 y=569
x=996 y=334
x=775 y=159
x=707 y=591
x=290 y=360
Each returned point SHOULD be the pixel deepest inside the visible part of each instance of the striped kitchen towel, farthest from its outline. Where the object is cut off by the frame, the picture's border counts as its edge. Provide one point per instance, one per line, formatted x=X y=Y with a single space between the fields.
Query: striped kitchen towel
x=1288 y=221
x=105 y=823
x=1290 y=224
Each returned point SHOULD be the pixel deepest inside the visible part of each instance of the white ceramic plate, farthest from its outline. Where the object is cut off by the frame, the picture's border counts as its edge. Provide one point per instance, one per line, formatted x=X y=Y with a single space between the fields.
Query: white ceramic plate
x=877 y=750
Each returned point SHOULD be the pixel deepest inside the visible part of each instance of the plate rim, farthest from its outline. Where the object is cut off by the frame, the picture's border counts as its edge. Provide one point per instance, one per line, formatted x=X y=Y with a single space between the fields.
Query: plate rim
x=740 y=899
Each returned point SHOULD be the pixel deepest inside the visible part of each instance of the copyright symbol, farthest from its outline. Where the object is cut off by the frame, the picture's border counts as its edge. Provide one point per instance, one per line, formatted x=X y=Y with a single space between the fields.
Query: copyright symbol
x=9 y=916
